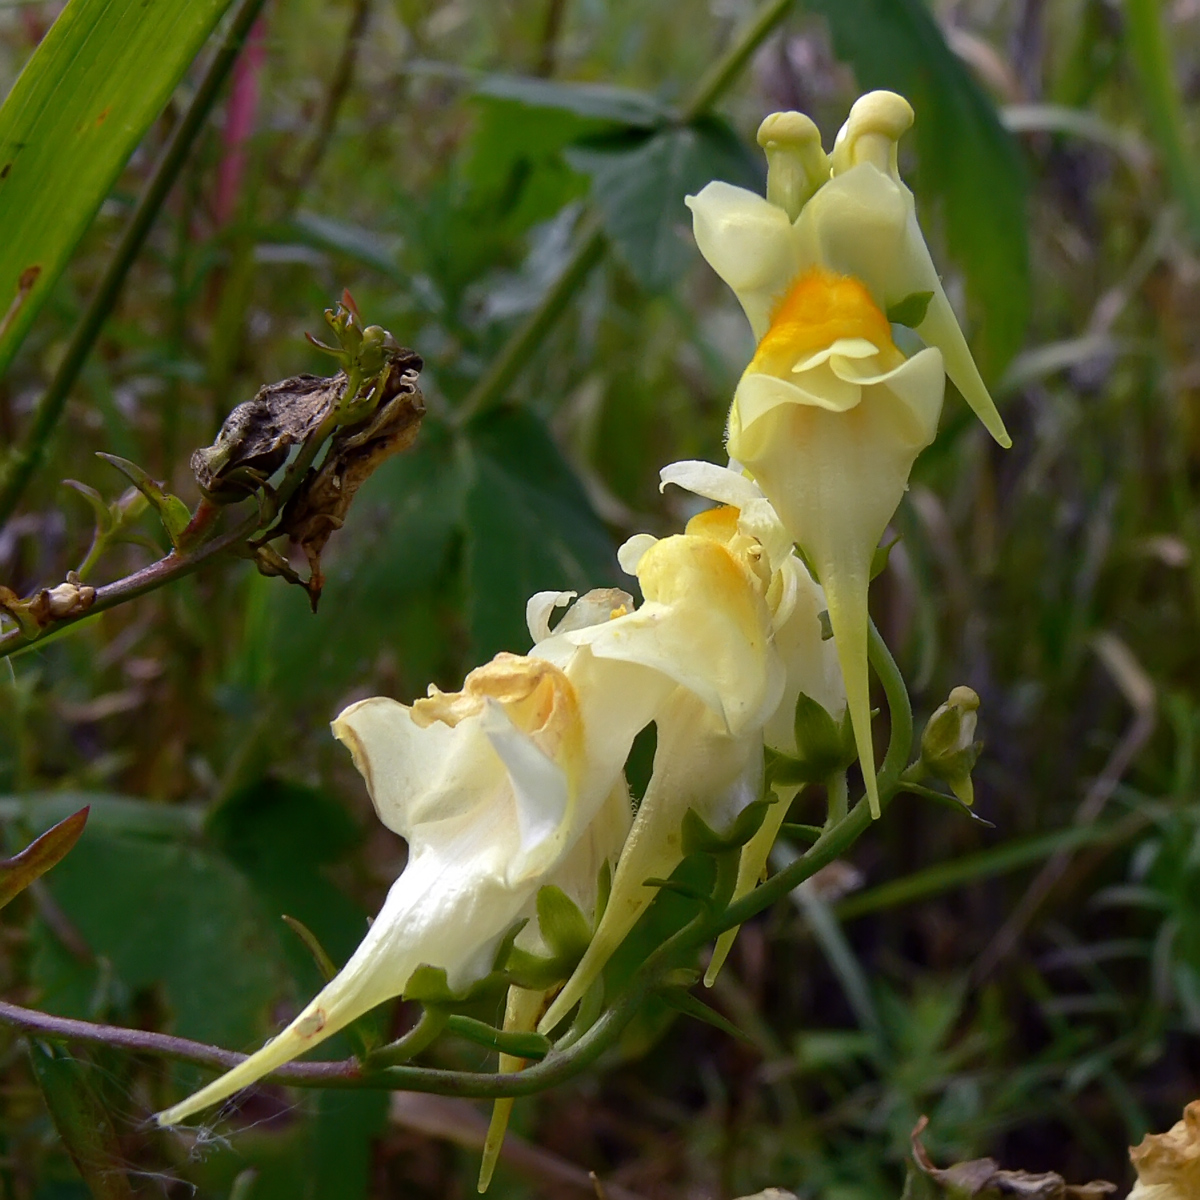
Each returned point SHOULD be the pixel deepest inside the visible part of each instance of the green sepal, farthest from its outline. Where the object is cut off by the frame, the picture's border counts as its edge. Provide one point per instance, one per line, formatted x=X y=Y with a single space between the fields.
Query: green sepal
x=919 y=789
x=101 y=511
x=819 y=741
x=520 y=1045
x=699 y=837
x=683 y=1001
x=427 y=985
x=910 y=312
x=172 y=512
x=564 y=928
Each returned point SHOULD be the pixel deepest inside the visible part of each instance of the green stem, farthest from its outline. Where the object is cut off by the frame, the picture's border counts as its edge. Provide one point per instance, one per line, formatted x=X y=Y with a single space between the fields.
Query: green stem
x=592 y=243
x=1151 y=52
x=716 y=81
x=530 y=334
x=418 y=1038
x=28 y=455
x=839 y=796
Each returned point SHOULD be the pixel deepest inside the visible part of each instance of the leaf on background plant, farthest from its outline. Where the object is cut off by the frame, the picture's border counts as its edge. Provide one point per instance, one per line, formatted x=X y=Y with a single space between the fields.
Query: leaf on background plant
x=81 y=105
x=282 y=835
x=18 y=872
x=83 y=1122
x=529 y=527
x=638 y=184
x=164 y=909
x=969 y=163
x=408 y=519
x=590 y=101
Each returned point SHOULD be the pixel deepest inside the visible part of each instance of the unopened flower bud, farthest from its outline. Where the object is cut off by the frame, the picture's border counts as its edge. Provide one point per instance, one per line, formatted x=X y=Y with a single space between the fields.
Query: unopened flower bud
x=948 y=746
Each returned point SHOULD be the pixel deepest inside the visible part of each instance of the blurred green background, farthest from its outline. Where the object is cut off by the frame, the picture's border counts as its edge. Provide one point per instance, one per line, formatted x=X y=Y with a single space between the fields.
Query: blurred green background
x=466 y=168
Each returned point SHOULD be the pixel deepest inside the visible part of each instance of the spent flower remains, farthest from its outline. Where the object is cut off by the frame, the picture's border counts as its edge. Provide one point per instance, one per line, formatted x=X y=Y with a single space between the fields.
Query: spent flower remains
x=527 y=865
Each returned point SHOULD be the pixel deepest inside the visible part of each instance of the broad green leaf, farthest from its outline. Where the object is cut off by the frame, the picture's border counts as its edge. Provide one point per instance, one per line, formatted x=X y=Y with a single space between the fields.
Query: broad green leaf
x=81 y=105
x=83 y=1121
x=529 y=528
x=169 y=911
x=639 y=184
x=969 y=164
x=591 y=101
x=282 y=836
x=18 y=872
x=385 y=586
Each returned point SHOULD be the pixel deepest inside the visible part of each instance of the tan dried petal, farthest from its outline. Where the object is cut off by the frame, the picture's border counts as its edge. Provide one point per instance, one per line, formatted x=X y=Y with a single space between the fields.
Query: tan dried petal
x=1168 y=1164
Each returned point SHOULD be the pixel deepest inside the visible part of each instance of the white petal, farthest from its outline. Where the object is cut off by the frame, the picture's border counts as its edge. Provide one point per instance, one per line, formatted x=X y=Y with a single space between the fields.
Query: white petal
x=706 y=479
x=631 y=551
x=853 y=348
x=758 y=394
x=749 y=243
x=538 y=610
x=416 y=773
x=540 y=790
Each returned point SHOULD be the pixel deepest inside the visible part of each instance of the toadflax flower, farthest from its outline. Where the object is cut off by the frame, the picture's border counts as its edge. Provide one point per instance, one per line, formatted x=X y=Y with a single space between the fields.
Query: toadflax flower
x=809 y=661
x=513 y=783
x=706 y=624
x=830 y=415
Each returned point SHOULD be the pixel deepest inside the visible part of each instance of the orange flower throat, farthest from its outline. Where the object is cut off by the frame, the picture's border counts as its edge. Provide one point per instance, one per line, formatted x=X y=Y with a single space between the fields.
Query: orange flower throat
x=820 y=308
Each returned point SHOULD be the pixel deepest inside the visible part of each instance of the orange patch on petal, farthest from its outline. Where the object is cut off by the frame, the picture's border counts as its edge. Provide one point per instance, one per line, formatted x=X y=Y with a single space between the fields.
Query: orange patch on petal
x=720 y=524
x=820 y=308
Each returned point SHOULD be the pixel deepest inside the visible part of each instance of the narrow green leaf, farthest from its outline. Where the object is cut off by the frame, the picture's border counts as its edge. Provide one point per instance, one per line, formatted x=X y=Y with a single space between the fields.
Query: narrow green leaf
x=83 y=102
x=944 y=876
x=684 y=1002
x=82 y=1121
x=639 y=184
x=18 y=872
x=969 y=164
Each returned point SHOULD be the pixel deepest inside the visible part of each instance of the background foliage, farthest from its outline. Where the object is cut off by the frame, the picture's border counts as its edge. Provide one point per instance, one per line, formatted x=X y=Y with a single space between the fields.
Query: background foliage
x=471 y=170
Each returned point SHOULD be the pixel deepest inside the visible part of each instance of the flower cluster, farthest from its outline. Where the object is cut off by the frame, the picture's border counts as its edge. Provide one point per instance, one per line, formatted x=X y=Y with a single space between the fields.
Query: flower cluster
x=511 y=793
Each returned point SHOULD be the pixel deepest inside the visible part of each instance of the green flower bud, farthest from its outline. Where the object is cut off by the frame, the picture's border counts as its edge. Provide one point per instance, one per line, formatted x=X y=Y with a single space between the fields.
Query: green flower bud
x=948 y=746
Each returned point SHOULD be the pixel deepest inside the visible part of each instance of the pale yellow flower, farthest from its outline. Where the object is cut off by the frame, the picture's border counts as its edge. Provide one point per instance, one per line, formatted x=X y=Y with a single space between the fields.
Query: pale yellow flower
x=705 y=623
x=830 y=415
x=513 y=783
x=809 y=662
